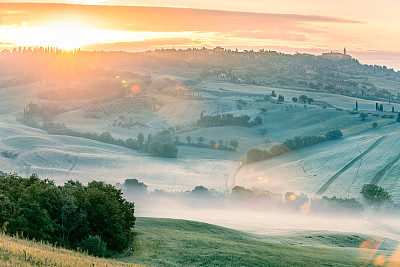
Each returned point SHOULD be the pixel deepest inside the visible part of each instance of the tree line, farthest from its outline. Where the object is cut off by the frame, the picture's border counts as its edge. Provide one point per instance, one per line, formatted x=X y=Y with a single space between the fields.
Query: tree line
x=94 y=217
x=298 y=142
x=152 y=145
x=227 y=119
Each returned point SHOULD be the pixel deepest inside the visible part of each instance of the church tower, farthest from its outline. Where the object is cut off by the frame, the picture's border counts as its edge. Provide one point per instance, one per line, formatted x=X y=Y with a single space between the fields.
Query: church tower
x=344 y=51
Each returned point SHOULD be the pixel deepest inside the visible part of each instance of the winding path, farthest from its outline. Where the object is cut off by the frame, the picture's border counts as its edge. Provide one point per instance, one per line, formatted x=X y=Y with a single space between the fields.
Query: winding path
x=345 y=168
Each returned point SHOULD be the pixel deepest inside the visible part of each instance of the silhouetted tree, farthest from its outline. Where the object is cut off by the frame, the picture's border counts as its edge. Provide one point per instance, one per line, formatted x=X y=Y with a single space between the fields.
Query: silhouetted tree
x=375 y=196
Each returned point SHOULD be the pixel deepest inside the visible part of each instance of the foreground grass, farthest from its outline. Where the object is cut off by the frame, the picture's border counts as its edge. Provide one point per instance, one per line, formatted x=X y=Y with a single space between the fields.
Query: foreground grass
x=21 y=252
x=169 y=242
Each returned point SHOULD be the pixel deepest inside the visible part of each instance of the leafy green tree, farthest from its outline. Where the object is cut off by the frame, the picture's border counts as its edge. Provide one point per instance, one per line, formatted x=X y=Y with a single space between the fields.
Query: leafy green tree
x=140 y=140
x=332 y=135
x=109 y=215
x=188 y=139
x=156 y=148
x=106 y=138
x=94 y=245
x=310 y=100
x=375 y=196
x=303 y=99
x=294 y=99
x=200 y=139
x=169 y=150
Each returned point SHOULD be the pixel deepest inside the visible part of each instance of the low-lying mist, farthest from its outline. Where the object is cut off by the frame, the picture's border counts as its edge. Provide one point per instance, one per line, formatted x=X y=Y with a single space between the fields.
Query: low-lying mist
x=265 y=212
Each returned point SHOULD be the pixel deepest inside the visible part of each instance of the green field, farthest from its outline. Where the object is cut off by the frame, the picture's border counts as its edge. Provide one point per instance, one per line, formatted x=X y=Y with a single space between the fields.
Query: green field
x=169 y=242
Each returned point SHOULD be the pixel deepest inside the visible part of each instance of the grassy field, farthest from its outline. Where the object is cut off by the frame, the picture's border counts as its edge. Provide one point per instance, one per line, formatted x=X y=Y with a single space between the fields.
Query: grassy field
x=168 y=242
x=21 y=252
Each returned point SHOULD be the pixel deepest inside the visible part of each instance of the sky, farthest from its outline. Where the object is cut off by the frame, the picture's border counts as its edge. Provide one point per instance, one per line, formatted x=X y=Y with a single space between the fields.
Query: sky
x=369 y=29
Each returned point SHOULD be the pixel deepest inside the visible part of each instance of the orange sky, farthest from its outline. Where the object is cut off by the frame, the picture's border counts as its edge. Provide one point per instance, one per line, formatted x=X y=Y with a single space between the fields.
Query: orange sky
x=369 y=29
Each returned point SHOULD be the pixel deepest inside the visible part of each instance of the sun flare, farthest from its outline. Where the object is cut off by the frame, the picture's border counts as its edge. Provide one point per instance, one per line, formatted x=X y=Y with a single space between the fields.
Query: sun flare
x=66 y=36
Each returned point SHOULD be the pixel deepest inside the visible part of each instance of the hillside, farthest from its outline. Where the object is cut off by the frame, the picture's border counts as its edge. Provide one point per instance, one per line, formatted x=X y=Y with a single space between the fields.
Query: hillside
x=20 y=252
x=168 y=242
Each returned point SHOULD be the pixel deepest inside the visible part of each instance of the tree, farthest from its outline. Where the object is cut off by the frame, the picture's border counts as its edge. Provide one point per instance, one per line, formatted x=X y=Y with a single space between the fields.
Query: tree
x=273 y=94
x=109 y=215
x=294 y=99
x=234 y=144
x=363 y=116
x=303 y=99
x=106 y=138
x=188 y=139
x=356 y=105
x=176 y=138
x=213 y=143
x=374 y=125
x=332 y=135
x=135 y=185
x=200 y=139
x=375 y=196
x=310 y=100
x=169 y=150
x=156 y=148
x=381 y=107
x=281 y=98
x=130 y=143
x=140 y=139
x=94 y=245
x=220 y=142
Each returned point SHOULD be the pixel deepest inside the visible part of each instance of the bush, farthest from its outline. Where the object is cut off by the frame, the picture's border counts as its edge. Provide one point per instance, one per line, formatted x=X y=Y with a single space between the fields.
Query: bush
x=156 y=148
x=94 y=245
x=169 y=150
x=374 y=125
x=336 y=134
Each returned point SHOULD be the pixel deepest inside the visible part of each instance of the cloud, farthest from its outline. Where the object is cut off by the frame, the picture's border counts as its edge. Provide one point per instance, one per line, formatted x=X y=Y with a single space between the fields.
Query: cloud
x=157 y=19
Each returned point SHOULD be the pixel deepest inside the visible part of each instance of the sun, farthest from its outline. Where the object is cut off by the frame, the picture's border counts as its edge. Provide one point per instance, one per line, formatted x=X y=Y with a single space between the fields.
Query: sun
x=66 y=36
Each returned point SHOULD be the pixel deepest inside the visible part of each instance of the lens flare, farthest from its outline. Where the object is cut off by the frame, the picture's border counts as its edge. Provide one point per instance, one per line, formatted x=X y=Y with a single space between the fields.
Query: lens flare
x=135 y=89
x=305 y=208
x=292 y=197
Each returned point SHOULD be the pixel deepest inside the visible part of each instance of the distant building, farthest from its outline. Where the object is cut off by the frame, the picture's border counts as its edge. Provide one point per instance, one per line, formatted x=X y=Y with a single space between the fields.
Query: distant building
x=218 y=49
x=336 y=55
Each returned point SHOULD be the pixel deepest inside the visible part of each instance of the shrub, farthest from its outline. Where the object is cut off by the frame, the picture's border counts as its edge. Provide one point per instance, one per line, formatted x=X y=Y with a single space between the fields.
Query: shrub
x=156 y=148
x=336 y=134
x=169 y=150
x=94 y=245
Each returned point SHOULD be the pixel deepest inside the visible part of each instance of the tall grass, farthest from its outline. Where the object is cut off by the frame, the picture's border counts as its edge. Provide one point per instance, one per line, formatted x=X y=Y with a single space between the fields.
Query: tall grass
x=15 y=251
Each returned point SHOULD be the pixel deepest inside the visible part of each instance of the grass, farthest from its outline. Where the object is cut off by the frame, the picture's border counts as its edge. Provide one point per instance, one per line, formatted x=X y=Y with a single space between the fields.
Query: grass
x=169 y=242
x=20 y=252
